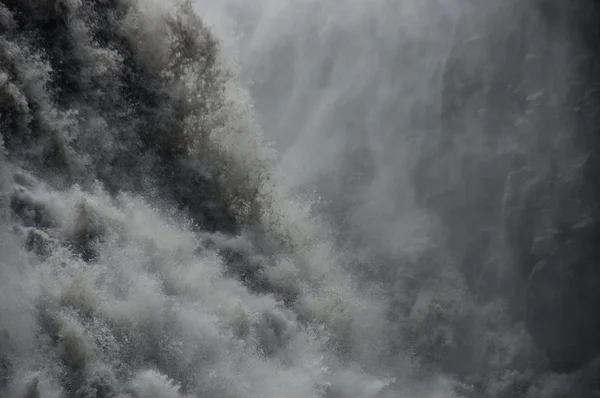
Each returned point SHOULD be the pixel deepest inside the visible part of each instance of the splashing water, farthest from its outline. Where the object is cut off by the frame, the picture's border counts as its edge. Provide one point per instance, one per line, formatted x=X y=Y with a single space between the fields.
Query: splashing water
x=149 y=248
x=152 y=243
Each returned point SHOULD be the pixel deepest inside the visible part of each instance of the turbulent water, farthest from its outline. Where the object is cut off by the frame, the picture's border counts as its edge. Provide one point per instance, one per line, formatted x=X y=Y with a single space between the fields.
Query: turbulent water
x=418 y=219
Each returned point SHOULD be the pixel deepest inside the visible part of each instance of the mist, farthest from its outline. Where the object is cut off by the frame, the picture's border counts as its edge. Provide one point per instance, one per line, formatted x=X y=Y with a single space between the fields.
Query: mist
x=298 y=199
x=451 y=143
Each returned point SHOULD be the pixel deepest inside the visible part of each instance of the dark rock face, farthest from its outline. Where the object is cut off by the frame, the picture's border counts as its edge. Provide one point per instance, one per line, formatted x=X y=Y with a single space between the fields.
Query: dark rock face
x=537 y=203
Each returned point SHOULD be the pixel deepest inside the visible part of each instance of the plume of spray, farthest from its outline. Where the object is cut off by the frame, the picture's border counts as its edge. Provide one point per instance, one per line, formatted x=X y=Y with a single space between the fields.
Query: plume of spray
x=151 y=246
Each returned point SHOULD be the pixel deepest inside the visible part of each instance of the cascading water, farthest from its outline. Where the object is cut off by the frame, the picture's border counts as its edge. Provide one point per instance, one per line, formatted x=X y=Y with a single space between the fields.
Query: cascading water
x=152 y=243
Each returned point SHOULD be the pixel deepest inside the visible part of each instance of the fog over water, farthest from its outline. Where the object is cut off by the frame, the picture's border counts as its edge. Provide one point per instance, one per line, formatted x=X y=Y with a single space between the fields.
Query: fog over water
x=299 y=198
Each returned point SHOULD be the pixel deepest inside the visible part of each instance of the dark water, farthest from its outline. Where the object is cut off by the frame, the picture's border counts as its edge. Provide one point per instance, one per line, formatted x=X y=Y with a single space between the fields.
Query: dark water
x=423 y=223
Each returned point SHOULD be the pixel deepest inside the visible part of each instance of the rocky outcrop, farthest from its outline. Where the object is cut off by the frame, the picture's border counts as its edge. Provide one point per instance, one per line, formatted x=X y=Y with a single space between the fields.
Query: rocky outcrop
x=515 y=175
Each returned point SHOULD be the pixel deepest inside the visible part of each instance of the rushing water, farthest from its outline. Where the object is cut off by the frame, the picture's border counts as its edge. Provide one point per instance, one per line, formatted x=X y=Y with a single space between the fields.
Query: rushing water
x=412 y=223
